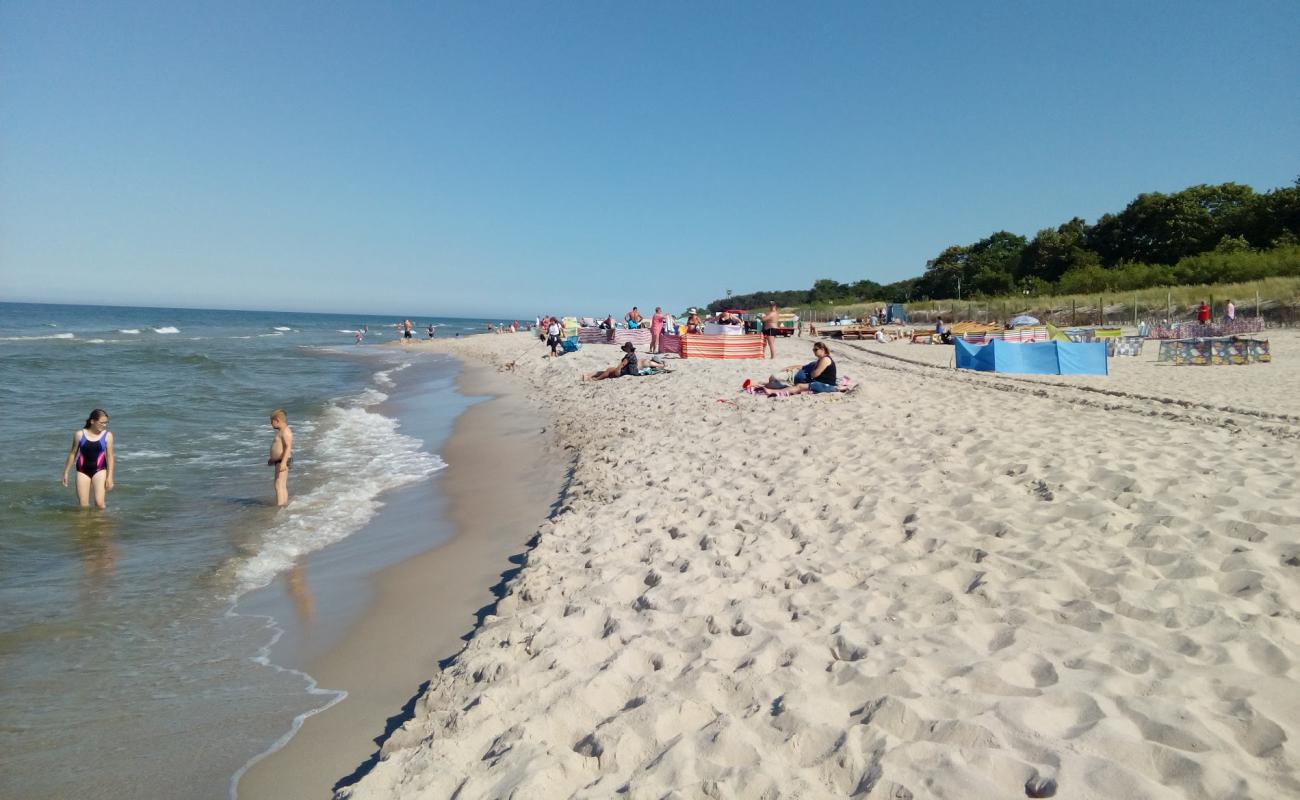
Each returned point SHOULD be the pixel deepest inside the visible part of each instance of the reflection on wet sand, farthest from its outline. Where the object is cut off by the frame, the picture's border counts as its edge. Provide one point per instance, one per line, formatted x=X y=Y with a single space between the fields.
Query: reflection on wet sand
x=93 y=535
x=296 y=579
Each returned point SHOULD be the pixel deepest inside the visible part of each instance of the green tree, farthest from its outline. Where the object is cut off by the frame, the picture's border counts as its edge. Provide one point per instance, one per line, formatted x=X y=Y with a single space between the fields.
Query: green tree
x=828 y=291
x=991 y=263
x=944 y=273
x=1161 y=228
x=1053 y=252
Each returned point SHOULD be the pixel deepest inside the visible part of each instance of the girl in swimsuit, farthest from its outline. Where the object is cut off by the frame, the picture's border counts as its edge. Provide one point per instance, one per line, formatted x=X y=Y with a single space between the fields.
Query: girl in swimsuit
x=92 y=454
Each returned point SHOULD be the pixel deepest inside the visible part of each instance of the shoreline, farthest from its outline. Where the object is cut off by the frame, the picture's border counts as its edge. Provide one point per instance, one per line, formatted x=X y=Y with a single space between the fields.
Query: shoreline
x=497 y=492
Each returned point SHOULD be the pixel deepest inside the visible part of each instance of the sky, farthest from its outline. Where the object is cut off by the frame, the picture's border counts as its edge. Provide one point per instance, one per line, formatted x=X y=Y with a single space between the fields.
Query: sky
x=510 y=159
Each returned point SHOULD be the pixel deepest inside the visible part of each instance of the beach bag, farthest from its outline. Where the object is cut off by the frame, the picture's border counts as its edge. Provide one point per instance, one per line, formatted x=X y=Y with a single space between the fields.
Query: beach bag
x=571 y=345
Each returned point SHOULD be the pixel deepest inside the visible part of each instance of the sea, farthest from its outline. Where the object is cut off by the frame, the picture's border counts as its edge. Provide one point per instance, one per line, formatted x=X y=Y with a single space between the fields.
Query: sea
x=127 y=667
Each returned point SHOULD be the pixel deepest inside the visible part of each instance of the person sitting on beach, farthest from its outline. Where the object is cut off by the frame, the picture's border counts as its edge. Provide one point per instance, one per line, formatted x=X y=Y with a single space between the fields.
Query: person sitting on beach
x=727 y=318
x=883 y=337
x=634 y=318
x=942 y=331
x=607 y=324
x=816 y=376
x=693 y=322
x=629 y=364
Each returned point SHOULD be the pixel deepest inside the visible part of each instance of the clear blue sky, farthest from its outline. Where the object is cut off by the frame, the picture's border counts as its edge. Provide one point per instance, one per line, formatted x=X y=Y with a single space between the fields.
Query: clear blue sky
x=511 y=158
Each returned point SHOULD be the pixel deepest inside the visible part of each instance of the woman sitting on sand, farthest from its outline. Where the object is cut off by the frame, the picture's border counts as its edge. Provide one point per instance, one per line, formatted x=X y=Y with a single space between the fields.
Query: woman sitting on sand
x=693 y=322
x=815 y=376
x=628 y=365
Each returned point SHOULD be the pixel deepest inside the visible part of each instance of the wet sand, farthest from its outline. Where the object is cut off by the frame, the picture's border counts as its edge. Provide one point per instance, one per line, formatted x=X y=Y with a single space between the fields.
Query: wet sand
x=497 y=492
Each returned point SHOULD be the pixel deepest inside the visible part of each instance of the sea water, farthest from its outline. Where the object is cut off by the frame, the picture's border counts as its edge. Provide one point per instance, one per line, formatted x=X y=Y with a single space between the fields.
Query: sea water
x=124 y=670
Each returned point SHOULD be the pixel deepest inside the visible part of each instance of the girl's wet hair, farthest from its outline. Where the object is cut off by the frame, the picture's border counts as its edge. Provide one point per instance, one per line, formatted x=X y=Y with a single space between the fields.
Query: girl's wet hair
x=94 y=415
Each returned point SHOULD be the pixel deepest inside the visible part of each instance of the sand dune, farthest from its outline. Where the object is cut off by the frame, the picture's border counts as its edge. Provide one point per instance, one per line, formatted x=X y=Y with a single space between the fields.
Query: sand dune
x=943 y=585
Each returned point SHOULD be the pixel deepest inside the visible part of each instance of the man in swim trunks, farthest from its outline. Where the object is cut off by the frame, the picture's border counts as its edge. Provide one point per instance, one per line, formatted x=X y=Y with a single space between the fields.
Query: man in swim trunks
x=281 y=455
x=770 y=330
x=92 y=452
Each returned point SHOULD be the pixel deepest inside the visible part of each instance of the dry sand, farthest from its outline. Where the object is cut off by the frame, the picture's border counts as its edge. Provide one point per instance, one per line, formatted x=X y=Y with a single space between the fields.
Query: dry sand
x=943 y=585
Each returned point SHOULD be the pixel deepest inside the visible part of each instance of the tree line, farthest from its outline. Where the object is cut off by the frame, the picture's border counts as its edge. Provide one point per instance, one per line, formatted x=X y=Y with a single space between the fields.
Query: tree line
x=1202 y=234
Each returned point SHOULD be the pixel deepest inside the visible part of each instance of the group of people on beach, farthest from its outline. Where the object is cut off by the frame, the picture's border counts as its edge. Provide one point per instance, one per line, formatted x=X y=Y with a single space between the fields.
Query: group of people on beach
x=95 y=460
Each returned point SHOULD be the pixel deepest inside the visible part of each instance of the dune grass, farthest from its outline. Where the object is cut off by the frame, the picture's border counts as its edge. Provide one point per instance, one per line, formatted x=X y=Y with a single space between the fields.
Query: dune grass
x=1274 y=297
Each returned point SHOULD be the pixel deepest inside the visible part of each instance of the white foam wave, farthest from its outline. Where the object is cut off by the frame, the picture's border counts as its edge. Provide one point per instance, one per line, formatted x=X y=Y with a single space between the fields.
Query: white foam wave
x=385 y=377
x=280 y=328
x=370 y=397
x=340 y=330
x=129 y=330
x=34 y=338
x=145 y=454
x=260 y=335
x=363 y=455
x=166 y=329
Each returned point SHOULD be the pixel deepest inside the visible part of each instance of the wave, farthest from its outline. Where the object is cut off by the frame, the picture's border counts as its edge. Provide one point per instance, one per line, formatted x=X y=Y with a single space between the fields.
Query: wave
x=33 y=338
x=129 y=330
x=129 y=454
x=166 y=329
x=281 y=328
x=343 y=331
x=362 y=455
x=260 y=335
x=385 y=377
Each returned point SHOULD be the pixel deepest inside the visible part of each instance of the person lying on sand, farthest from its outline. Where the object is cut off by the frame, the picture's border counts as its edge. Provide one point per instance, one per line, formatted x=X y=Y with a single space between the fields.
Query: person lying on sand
x=815 y=376
x=628 y=365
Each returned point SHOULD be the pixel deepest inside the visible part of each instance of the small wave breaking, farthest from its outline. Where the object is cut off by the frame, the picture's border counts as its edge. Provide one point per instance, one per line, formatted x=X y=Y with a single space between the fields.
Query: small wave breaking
x=363 y=455
x=34 y=338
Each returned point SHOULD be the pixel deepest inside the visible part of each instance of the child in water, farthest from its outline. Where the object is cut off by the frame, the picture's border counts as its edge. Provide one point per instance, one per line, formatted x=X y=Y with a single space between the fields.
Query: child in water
x=281 y=455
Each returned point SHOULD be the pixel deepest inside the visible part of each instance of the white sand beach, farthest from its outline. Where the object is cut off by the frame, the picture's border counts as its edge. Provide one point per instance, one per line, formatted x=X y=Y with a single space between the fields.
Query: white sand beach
x=944 y=585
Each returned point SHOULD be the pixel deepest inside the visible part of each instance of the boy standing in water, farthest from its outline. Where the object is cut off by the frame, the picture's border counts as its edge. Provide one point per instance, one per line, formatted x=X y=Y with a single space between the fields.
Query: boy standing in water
x=281 y=455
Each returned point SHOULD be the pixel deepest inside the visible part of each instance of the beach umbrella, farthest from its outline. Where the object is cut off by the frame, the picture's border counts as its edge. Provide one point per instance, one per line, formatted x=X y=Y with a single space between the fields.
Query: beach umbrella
x=1023 y=319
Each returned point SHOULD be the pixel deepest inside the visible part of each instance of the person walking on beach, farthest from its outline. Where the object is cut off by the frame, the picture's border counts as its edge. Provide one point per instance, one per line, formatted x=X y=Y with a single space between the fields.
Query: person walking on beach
x=92 y=454
x=656 y=329
x=553 y=336
x=407 y=326
x=770 y=330
x=1230 y=312
x=281 y=457
x=1203 y=313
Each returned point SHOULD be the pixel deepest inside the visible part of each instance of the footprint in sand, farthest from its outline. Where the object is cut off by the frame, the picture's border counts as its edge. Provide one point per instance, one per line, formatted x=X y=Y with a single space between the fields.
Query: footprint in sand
x=1060 y=715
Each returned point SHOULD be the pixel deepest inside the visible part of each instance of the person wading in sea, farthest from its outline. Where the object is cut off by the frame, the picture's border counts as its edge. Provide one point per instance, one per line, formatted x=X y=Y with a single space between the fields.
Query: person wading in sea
x=92 y=452
x=281 y=455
